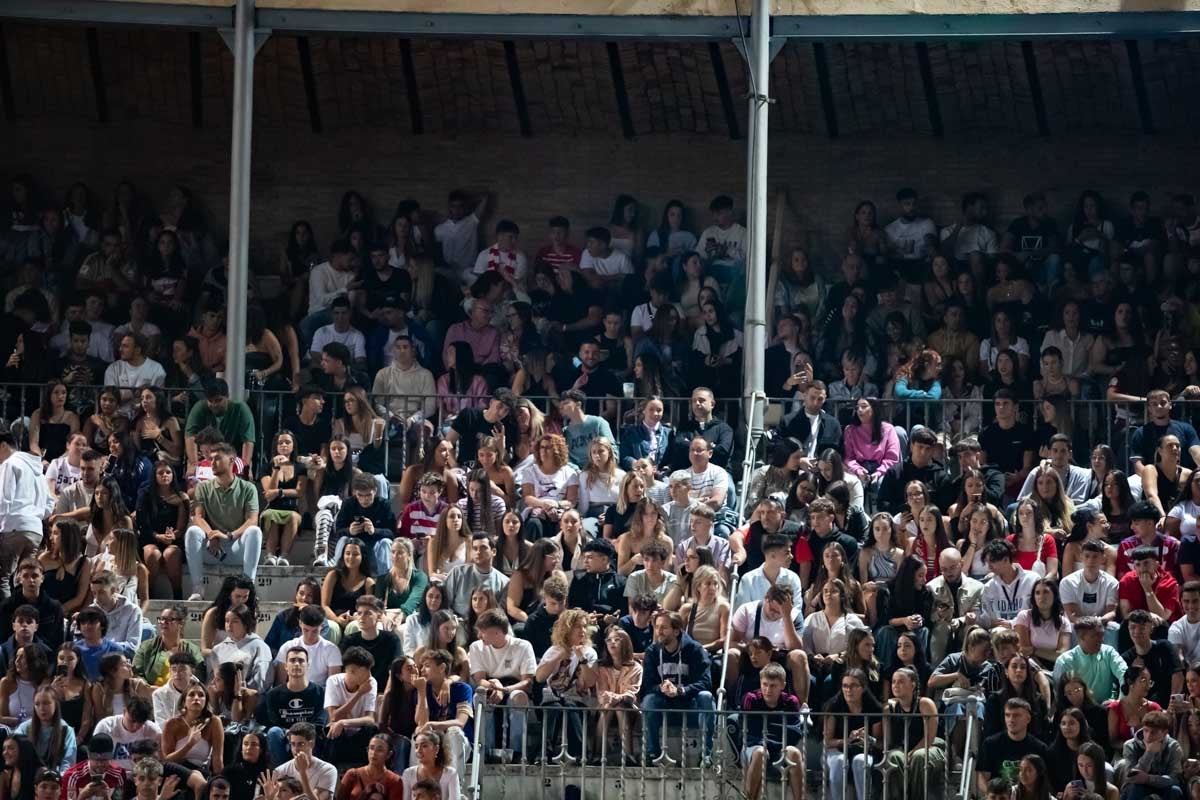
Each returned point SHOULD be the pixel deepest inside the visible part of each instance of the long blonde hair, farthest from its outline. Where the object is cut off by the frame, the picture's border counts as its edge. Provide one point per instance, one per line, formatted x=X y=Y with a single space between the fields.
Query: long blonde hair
x=622 y=496
x=537 y=420
x=401 y=582
x=421 y=271
x=702 y=575
x=608 y=474
x=124 y=550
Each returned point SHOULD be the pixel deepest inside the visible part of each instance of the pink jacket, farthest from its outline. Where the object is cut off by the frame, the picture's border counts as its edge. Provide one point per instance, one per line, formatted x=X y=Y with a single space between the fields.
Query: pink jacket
x=856 y=441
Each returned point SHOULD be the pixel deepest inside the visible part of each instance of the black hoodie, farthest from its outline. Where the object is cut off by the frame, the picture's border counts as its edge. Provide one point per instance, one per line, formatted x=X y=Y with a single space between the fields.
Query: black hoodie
x=688 y=668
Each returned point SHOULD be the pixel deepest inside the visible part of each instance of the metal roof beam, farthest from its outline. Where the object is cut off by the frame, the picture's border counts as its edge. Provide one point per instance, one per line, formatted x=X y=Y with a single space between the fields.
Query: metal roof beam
x=991 y=26
x=504 y=26
x=115 y=12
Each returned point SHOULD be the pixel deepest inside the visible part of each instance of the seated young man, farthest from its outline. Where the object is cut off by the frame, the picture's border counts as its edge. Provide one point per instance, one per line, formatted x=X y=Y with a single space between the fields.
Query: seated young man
x=1001 y=753
x=770 y=736
x=384 y=646
x=445 y=706
x=134 y=724
x=541 y=622
x=639 y=623
x=775 y=618
x=25 y=634
x=181 y=668
x=93 y=642
x=677 y=676
x=296 y=699
x=1151 y=762
x=317 y=778
x=324 y=657
x=502 y=668
x=759 y=652
x=367 y=516
x=350 y=708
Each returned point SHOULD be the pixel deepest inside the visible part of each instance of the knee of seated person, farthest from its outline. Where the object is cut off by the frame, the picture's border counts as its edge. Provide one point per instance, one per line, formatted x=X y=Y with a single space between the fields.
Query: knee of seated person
x=518 y=698
x=797 y=658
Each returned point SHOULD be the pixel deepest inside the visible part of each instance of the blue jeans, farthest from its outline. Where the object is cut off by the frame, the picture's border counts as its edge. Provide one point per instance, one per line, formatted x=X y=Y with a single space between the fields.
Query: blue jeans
x=652 y=719
x=514 y=708
x=381 y=551
x=246 y=550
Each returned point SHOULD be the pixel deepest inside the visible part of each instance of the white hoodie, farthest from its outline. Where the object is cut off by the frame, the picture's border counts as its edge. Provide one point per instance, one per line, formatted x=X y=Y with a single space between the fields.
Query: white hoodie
x=124 y=624
x=24 y=496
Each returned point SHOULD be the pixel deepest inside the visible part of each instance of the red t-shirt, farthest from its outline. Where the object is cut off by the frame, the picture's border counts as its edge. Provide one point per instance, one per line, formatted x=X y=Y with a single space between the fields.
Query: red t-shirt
x=1165 y=589
x=1027 y=558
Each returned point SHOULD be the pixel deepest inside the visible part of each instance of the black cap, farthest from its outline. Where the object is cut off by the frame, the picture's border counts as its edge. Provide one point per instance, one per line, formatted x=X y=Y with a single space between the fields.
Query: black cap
x=100 y=745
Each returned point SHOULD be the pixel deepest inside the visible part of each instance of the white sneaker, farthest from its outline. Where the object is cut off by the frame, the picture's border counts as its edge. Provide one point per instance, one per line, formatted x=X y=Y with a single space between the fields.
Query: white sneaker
x=280 y=561
x=272 y=561
x=195 y=596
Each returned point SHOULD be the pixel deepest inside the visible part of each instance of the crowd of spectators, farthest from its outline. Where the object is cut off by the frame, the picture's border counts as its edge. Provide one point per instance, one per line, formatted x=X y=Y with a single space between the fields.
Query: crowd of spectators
x=502 y=507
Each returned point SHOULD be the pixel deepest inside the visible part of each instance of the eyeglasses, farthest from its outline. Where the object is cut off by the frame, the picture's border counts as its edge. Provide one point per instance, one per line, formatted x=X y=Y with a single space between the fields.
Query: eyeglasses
x=169 y=620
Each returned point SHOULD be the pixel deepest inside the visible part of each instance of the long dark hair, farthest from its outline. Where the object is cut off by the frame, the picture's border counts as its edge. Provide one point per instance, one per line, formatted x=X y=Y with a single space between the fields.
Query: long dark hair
x=618 y=212
x=487 y=517
x=460 y=376
x=424 y=615
x=399 y=700
x=876 y=418
x=343 y=475
x=47 y=391
x=1126 y=496
x=1042 y=789
x=902 y=587
x=664 y=228
x=264 y=755
x=161 y=411
x=291 y=615
x=116 y=501
x=223 y=603
x=27 y=766
x=1056 y=608
x=130 y=454
x=367 y=567
x=297 y=255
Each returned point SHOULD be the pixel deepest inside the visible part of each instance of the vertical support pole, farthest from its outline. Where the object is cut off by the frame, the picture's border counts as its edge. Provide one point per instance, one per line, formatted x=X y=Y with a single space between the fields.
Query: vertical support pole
x=239 y=198
x=756 y=203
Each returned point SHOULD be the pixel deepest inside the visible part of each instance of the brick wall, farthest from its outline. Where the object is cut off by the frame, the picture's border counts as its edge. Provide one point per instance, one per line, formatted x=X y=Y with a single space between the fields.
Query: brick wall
x=302 y=175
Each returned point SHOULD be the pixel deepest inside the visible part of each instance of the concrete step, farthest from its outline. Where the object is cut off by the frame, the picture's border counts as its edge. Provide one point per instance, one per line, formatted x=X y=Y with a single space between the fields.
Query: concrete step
x=273 y=584
x=195 y=614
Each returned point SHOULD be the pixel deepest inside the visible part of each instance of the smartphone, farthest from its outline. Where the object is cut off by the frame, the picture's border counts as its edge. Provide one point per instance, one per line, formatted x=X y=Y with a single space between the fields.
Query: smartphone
x=1076 y=784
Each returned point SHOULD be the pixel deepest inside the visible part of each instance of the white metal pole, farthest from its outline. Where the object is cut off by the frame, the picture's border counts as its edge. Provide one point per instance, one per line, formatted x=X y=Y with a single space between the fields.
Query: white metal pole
x=756 y=256
x=239 y=198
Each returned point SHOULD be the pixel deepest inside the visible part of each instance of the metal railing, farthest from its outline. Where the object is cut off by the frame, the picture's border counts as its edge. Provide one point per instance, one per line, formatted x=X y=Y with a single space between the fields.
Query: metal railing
x=560 y=746
x=1095 y=420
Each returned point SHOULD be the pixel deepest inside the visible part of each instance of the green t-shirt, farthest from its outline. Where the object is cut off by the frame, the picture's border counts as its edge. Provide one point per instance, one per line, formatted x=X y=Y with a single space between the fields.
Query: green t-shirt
x=227 y=509
x=236 y=424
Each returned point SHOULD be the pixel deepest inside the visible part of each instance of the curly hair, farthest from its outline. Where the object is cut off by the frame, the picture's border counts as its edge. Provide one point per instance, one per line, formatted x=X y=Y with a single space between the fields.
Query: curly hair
x=913 y=369
x=569 y=620
x=561 y=453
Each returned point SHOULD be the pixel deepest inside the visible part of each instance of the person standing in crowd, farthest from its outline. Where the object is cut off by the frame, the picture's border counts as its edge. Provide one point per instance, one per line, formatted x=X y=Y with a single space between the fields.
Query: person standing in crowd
x=24 y=503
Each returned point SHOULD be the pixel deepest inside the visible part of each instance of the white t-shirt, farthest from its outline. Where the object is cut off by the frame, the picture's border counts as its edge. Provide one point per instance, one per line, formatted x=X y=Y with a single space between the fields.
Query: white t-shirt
x=1092 y=598
x=122 y=738
x=62 y=474
x=724 y=245
x=513 y=660
x=323 y=658
x=908 y=238
x=459 y=241
x=615 y=263
x=703 y=482
x=337 y=695
x=321 y=774
x=743 y=623
x=971 y=239
x=548 y=487
x=1186 y=511
x=353 y=339
x=126 y=376
x=563 y=683
x=1186 y=636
